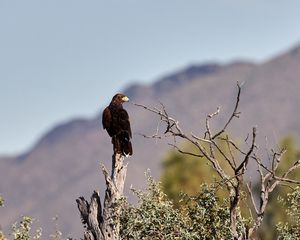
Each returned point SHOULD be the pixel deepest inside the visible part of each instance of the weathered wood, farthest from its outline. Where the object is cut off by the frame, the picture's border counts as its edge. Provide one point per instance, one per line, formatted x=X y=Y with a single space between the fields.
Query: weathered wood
x=104 y=224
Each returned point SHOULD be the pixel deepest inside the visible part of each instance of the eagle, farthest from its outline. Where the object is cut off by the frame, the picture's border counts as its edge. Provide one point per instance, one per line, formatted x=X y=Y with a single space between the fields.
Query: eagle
x=115 y=120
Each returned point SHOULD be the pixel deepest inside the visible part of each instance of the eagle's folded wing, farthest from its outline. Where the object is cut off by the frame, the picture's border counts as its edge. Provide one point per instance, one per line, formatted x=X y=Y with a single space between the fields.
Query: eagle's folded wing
x=106 y=118
x=124 y=121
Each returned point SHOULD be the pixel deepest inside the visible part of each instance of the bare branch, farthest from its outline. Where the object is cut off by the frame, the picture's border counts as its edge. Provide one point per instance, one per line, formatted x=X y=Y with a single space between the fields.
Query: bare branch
x=184 y=152
x=148 y=109
x=244 y=164
x=150 y=136
x=224 y=155
x=215 y=113
x=200 y=139
x=233 y=184
x=252 y=197
x=233 y=144
x=287 y=180
x=295 y=166
x=230 y=151
x=234 y=113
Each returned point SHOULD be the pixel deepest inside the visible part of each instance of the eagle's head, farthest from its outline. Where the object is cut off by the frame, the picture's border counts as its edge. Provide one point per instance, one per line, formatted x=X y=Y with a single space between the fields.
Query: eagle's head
x=119 y=98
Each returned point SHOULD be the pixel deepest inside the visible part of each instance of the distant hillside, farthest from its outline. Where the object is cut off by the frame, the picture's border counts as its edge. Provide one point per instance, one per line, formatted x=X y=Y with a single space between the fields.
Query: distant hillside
x=64 y=163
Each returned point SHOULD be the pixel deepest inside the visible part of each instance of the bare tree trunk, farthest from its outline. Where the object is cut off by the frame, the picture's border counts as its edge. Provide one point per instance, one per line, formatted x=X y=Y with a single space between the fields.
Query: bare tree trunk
x=104 y=224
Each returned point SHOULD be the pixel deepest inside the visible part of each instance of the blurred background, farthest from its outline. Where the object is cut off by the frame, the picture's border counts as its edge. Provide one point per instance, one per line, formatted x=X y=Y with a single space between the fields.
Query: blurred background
x=62 y=61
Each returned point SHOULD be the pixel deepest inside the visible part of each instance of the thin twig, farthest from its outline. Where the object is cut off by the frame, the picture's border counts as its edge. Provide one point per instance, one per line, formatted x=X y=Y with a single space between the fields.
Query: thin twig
x=184 y=152
x=252 y=197
x=244 y=164
x=234 y=113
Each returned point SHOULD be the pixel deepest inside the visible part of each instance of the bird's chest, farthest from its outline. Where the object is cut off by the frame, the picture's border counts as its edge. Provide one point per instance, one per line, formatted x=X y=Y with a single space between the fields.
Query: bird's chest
x=116 y=115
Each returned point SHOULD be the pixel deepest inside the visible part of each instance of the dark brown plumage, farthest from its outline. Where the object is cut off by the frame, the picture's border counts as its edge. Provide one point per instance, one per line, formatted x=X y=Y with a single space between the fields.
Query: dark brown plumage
x=115 y=120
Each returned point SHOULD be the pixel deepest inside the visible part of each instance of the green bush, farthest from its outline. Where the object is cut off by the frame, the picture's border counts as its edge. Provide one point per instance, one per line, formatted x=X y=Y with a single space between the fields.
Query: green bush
x=155 y=217
x=22 y=230
x=2 y=237
x=291 y=230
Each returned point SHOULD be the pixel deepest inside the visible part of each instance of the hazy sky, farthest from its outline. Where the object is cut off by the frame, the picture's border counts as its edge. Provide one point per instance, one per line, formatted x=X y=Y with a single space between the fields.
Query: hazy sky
x=61 y=59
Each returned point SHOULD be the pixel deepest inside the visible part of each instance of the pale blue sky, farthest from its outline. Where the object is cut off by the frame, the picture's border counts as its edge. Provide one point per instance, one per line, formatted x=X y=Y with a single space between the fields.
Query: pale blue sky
x=61 y=59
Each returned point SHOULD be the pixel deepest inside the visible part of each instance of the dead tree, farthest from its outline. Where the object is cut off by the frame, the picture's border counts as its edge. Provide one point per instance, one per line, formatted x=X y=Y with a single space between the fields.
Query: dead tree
x=234 y=181
x=102 y=223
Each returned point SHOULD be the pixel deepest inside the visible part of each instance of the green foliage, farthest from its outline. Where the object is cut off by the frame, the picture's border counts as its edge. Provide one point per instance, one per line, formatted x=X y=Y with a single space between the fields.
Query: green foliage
x=155 y=217
x=183 y=173
x=209 y=218
x=22 y=230
x=275 y=211
x=291 y=155
x=2 y=237
x=1 y=201
x=291 y=230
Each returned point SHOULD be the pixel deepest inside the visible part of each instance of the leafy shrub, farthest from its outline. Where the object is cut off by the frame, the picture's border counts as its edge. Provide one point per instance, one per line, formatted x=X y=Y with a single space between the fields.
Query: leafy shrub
x=291 y=231
x=2 y=237
x=22 y=230
x=155 y=217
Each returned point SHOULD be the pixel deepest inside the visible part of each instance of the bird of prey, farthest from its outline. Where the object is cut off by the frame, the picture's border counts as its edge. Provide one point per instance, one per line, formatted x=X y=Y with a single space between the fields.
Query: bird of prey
x=115 y=120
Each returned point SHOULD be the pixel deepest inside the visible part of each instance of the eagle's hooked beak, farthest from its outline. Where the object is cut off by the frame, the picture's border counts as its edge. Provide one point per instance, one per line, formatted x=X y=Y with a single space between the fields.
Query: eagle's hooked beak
x=125 y=99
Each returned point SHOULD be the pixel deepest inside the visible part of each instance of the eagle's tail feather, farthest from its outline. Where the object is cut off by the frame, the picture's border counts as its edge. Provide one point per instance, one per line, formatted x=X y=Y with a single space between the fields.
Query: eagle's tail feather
x=127 y=149
x=122 y=144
